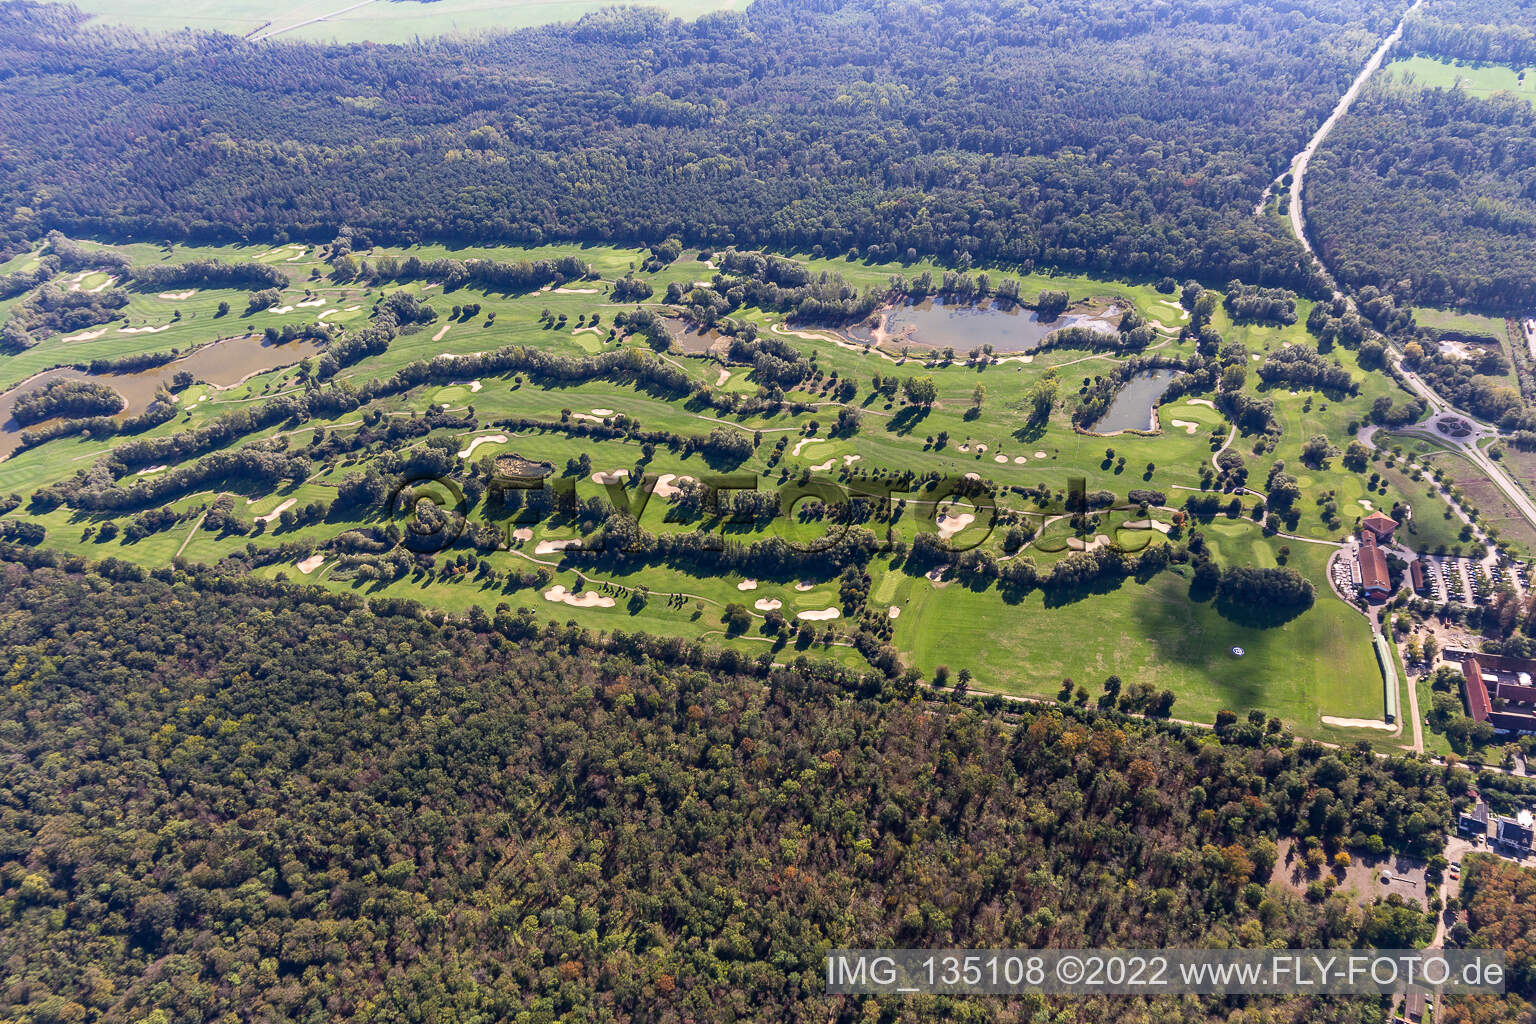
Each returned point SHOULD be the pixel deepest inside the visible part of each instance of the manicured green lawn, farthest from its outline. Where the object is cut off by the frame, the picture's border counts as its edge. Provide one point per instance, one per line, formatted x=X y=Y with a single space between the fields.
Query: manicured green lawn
x=1153 y=633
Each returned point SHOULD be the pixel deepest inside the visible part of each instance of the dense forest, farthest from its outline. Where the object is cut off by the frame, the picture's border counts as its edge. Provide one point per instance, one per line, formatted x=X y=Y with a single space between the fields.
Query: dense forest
x=1432 y=194
x=1503 y=31
x=1091 y=134
x=262 y=802
x=1500 y=900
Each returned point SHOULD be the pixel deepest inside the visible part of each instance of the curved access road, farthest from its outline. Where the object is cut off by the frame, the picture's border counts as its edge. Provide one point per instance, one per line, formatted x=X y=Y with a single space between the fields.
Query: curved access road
x=1299 y=164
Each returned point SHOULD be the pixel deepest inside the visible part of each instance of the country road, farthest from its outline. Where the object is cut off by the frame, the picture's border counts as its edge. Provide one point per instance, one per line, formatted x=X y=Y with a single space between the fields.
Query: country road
x=1299 y=164
x=268 y=34
x=1438 y=405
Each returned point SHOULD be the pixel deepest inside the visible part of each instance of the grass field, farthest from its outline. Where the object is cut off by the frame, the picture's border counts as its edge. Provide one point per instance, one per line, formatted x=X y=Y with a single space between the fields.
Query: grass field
x=1476 y=78
x=1150 y=632
x=1472 y=324
x=378 y=21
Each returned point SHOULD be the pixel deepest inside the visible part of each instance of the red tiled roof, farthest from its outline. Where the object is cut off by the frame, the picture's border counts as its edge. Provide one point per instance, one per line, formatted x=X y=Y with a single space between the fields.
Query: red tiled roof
x=1379 y=522
x=1517 y=693
x=1373 y=568
x=1476 y=692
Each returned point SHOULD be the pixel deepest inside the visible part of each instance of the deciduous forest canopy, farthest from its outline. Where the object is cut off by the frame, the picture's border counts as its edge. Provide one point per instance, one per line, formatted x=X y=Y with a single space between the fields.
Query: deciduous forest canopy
x=266 y=801
x=1105 y=135
x=1431 y=192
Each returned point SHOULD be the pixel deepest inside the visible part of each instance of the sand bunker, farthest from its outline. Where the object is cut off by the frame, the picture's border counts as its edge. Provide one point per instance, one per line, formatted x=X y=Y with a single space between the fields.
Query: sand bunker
x=548 y=547
x=143 y=330
x=768 y=604
x=819 y=616
x=280 y=309
x=894 y=613
x=86 y=335
x=308 y=302
x=477 y=442
x=665 y=486
x=1040 y=455
x=963 y=448
x=523 y=533
x=1189 y=428
x=602 y=412
x=1201 y=401
x=981 y=448
x=973 y=476
x=152 y=469
x=951 y=525
x=822 y=467
x=1148 y=524
x=1359 y=723
x=1019 y=460
x=803 y=586
x=725 y=375
x=584 y=416
x=322 y=316
x=747 y=585
x=178 y=296
x=441 y=331
x=587 y=330
x=999 y=458
x=271 y=517
x=805 y=441
x=585 y=599
x=610 y=478
x=575 y=291
x=101 y=287
x=310 y=564
x=849 y=460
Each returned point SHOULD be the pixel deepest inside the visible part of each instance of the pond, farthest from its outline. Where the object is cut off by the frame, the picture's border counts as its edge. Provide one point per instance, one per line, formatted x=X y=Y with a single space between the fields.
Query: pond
x=221 y=364
x=936 y=324
x=1135 y=402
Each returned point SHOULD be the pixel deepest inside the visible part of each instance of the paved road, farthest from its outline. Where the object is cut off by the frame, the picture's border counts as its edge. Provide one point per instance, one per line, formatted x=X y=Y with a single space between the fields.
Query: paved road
x=269 y=33
x=1469 y=445
x=1299 y=164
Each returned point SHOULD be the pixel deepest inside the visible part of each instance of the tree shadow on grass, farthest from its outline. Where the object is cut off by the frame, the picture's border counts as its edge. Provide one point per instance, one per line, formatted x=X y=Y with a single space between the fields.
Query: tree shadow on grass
x=1268 y=616
x=906 y=421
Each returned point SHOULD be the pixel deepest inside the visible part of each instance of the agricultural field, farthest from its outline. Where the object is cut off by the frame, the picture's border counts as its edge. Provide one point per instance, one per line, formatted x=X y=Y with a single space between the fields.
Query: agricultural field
x=1472 y=325
x=1476 y=78
x=605 y=392
x=375 y=21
